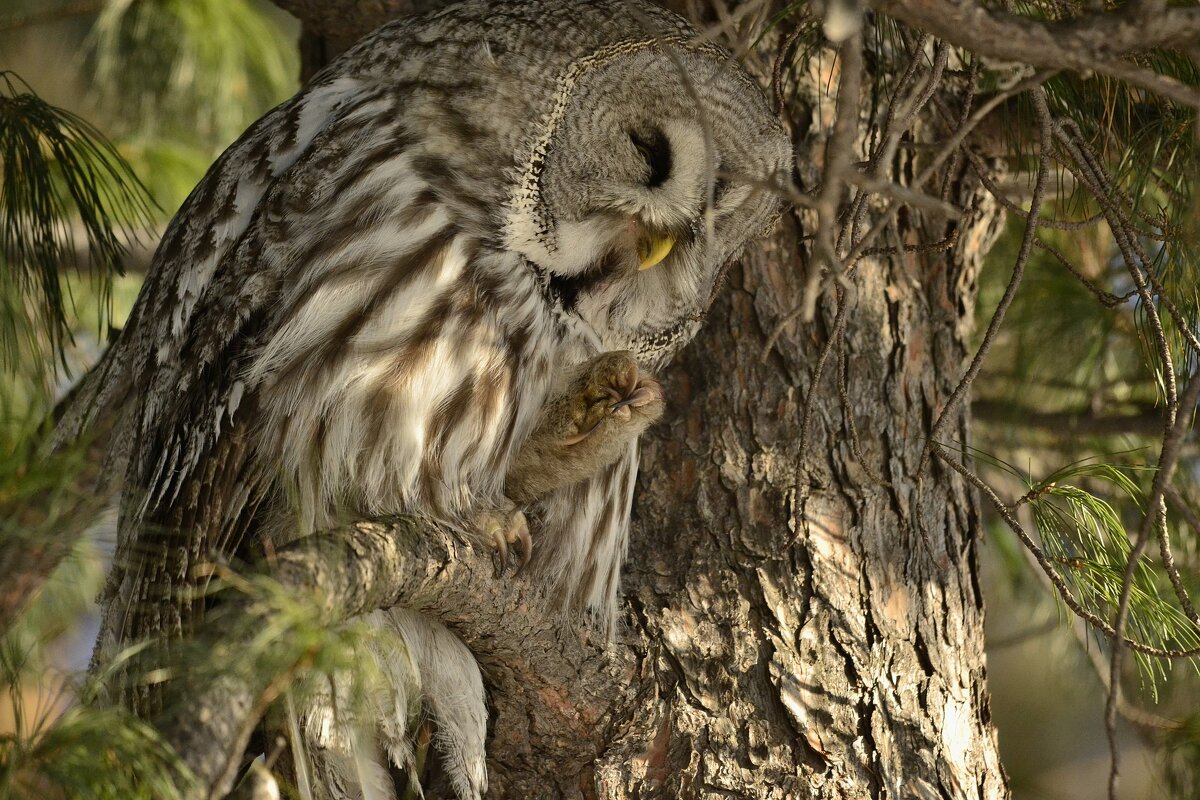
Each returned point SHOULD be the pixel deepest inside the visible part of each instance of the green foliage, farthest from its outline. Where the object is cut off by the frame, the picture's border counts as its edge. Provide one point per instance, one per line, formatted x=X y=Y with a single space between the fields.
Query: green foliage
x=1087 y=536
x=1150 y=148
x=1089 y=355
x=56 y=749
x=274 y=631
x=191 y=70
x=1088 y=540
x=58 y=171
x=278 y=639
x=215 y=67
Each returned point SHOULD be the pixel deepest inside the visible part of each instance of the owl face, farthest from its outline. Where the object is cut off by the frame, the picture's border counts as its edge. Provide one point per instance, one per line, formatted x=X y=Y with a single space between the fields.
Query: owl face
x=647 y=183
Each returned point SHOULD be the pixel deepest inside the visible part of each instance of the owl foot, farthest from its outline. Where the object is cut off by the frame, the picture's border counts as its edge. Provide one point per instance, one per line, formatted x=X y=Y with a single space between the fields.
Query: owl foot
x=503 y=528
x=593 y=416
x=614 y=389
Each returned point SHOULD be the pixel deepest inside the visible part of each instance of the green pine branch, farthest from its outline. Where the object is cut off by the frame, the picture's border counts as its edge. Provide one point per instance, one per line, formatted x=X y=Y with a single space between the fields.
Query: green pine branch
x=57 y=172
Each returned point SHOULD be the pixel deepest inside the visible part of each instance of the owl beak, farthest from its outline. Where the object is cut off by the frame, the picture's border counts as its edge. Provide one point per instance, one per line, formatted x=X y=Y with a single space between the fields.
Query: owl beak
x=653 y=248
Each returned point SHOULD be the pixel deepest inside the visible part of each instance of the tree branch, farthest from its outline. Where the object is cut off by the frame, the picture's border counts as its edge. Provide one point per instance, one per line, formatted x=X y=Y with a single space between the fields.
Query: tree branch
x=1092 y=42
x=525 y=651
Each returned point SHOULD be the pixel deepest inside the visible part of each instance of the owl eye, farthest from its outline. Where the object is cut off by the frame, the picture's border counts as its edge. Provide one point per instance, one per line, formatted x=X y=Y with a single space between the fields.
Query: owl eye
x=656 y=152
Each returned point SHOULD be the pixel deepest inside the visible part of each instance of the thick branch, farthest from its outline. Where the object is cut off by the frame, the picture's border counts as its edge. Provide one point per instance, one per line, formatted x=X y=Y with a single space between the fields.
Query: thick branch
x=1090 y=43
x=524 y=651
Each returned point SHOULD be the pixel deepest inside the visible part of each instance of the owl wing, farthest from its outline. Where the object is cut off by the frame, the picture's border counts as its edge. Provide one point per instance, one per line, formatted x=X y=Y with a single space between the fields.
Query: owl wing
x=211 y=298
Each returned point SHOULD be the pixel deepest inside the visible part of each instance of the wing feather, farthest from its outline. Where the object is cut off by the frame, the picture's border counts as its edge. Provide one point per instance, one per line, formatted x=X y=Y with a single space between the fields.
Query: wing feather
x=191 y=486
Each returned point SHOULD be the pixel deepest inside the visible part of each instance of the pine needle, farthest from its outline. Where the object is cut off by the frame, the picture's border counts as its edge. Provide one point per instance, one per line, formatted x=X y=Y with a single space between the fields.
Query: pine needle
x=56 y=171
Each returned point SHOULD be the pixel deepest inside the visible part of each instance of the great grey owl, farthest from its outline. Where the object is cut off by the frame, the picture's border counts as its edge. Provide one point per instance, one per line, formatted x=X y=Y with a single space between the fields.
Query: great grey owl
x=370 y=301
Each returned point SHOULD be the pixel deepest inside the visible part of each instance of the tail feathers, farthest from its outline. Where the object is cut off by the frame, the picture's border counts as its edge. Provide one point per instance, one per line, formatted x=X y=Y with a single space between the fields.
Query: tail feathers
x=427 y=665
x=452 y=687
x=370 y=768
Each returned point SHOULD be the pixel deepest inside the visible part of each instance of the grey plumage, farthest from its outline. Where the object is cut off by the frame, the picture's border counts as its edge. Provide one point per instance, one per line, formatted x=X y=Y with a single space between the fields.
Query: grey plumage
x=363 y=306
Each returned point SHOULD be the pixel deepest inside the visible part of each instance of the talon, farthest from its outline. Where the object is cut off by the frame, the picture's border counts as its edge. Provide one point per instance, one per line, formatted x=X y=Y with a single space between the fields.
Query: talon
x=524 y=540
x=576 y=438
x=500 y=554
x=627 y=380
x=646 y=393
x=504 y=531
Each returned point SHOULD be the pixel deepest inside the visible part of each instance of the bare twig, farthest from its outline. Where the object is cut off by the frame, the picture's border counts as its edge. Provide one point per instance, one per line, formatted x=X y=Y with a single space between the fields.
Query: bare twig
x=981 y=171
x=1031 y=224
x=941 y=245
x=1128 y=711
x=838 y=156
x=892 y=132
x=871 y=181
x=781 y=63
x=1089 y=171
x=947 y=149
x=1106 y=298
x=903 y=194
x=1169 y=457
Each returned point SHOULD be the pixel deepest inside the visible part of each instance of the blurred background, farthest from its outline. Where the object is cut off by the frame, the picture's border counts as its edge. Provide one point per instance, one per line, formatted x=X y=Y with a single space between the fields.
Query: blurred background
x=172 y=82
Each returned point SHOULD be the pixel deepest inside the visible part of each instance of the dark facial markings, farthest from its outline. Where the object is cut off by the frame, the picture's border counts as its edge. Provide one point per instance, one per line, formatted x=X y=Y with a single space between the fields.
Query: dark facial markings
x=568 y=288
x=655 y=150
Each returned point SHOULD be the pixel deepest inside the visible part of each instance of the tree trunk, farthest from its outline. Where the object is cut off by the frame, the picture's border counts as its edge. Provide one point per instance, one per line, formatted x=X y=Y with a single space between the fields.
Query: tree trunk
x=799 y=624
x=810 y=624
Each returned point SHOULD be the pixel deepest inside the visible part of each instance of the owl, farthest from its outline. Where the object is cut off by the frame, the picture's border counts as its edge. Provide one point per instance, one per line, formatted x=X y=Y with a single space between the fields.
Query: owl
x=402 y=285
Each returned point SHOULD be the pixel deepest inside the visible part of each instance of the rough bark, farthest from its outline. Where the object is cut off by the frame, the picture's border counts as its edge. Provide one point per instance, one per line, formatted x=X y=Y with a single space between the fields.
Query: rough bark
x=811 y=623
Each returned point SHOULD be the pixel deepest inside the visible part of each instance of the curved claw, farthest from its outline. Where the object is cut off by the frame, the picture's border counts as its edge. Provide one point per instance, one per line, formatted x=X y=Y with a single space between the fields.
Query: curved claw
x=576 y=438
x=514 y=530
x=525 y=542
x=641 y=396
x=500 y=554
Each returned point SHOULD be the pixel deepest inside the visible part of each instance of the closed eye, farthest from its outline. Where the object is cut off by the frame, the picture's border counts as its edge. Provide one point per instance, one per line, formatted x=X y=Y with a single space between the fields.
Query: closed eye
x=655 y=150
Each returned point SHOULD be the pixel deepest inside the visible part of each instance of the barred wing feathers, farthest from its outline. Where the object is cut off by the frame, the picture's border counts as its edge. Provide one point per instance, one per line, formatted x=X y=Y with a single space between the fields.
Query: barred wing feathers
x=326 y=324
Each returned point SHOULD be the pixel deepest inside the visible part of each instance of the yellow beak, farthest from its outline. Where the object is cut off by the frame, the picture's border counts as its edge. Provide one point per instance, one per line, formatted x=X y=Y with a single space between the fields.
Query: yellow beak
x=653 y=248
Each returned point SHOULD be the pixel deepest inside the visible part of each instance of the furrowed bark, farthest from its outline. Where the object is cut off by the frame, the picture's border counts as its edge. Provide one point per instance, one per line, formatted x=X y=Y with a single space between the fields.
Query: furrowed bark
x=802 y=640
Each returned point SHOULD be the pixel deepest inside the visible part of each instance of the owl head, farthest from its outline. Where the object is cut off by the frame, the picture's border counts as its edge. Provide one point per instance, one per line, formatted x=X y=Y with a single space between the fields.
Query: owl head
x=634 y=154
x=646 y=178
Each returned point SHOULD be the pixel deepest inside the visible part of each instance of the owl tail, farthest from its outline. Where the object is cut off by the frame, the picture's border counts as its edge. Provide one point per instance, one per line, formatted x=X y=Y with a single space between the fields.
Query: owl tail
x=425 y=671
x=452 y=690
